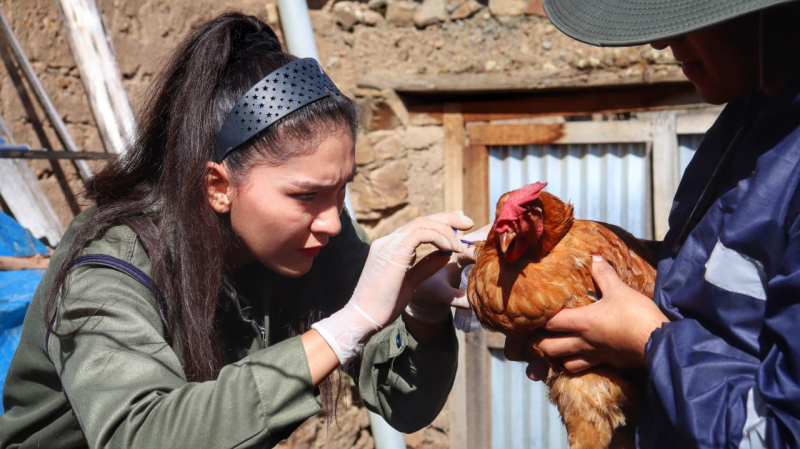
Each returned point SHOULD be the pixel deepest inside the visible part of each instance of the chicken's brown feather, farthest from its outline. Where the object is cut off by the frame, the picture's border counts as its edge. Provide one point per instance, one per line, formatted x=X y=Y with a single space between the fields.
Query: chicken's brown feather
x=517 y=298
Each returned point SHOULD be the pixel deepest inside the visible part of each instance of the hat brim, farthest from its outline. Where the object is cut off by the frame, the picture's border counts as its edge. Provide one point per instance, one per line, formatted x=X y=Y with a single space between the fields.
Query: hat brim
x=619 y=23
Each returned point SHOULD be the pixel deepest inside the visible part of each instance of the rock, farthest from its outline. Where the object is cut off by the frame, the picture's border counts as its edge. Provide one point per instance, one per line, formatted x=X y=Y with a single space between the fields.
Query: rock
x=384 y=110
x=372 y=18
x=396 y=220
x=364 y=152
x=535 y=8
x=345 y=15
x=387 y=147
x=383 y=188
x=430 y=12
x=507 y=7
x=465 y=10
x=376 y=4
x=422 y=137
x=401 y=13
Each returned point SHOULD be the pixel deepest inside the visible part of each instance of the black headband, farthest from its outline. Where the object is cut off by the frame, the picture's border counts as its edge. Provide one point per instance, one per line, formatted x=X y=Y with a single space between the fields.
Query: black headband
x=285 y=90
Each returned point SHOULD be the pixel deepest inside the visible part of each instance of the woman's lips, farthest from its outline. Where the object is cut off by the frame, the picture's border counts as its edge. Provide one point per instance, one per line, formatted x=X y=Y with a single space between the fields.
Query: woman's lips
x=310 y=252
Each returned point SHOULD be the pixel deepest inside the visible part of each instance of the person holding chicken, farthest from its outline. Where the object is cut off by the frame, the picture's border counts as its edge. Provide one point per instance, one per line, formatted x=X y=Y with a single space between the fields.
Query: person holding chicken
x=717 y=341
x=218 y=281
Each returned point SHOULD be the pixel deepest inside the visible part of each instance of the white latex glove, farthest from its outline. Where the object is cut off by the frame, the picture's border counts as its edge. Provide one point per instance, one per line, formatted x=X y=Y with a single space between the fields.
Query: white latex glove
x=434 y=297
x=387 y=281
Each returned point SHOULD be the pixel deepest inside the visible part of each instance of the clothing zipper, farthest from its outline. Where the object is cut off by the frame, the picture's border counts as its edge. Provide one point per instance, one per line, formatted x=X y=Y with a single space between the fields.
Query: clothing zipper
x=262 y=332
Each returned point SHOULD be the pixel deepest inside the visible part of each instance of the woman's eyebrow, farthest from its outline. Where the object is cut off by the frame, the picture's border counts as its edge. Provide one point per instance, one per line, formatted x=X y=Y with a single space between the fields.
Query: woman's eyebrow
x=311 y=185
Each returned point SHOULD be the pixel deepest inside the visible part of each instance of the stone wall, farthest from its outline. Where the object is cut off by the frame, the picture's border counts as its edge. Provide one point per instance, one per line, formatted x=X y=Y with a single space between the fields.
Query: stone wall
x=400 y=163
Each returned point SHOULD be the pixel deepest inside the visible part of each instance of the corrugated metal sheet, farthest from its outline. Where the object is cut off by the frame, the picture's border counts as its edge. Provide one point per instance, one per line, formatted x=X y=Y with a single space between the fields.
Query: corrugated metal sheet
x=522 y=416
x=609 y=183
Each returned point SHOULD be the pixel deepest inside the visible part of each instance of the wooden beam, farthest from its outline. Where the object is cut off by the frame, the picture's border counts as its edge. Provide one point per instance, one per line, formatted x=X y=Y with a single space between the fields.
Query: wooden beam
x=25 y=198
x=502 y=82
x=623 y=131
x=97 y=62
x=37 y=262
x=479 y=391
x=695 y=123
x=495 y=340
x=665 y=169
x=476 y=184
x=454 y=143
x=497 y=106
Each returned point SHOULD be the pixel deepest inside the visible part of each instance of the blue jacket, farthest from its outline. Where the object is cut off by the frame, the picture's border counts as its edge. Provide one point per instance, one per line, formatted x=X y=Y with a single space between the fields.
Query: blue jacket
x=725 y=373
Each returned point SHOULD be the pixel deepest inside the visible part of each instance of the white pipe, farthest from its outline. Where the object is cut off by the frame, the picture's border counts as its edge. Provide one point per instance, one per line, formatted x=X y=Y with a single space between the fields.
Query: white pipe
x=297 y=31
x=385 y=436
x=299 y=37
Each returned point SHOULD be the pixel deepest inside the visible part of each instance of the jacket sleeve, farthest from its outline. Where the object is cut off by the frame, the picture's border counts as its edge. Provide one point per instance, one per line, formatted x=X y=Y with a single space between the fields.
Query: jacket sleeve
x=404 y=381
x=128 y=389
x=398 y=378
x=709 y=394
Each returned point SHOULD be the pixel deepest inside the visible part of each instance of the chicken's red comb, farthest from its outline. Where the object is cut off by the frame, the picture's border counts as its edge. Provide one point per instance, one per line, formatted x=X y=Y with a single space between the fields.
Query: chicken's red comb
x=512 y=208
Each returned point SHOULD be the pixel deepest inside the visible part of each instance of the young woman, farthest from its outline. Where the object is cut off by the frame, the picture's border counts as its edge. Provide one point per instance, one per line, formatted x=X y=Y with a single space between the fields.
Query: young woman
x=718 y=342
x=218 y=281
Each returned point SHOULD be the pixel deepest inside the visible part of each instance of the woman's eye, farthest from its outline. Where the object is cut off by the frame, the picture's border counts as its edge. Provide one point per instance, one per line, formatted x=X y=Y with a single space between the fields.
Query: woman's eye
x=305 y=196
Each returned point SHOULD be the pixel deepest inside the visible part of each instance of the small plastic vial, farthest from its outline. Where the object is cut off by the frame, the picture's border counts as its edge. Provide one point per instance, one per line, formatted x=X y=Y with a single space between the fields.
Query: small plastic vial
x=465 y=319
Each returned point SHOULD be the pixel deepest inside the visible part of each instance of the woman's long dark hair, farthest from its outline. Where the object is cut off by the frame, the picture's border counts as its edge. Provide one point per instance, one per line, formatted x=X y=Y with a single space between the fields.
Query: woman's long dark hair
x=165 y=167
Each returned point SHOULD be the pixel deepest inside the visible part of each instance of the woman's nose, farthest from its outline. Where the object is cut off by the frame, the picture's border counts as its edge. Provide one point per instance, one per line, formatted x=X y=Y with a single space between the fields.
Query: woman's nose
x=327 y=222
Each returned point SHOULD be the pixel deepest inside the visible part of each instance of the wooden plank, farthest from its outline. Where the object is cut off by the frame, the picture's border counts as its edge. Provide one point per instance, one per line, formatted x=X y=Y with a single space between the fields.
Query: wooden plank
x=495 y=340
x=623 y=131
x=25 y=198
x=665 y=169
x=501 y=82
x=94 y=54
x=479 y=391
x=37 y=262
x=696 y=123
x=476 y=184
x=454 y=143
x=457 y=401
x=482 y=108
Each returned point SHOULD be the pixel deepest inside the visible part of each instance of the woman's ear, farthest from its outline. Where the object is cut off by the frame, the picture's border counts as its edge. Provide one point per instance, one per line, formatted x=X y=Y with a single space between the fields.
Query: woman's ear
x=218 y=188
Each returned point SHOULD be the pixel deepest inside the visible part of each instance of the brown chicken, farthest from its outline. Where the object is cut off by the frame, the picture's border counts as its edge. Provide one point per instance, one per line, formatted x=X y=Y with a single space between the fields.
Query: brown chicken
x=536 y=261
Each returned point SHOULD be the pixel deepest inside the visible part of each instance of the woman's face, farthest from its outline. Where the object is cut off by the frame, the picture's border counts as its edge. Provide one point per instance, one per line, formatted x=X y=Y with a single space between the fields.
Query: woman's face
x=285 y=214
x=721 y=61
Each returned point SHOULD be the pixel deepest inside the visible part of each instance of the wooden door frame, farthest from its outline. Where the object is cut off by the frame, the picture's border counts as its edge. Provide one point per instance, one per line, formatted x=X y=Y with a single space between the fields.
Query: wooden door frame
x=466 y=188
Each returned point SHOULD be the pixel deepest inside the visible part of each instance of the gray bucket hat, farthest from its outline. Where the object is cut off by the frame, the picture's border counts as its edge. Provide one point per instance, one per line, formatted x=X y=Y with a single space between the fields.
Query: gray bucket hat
x=618 y=23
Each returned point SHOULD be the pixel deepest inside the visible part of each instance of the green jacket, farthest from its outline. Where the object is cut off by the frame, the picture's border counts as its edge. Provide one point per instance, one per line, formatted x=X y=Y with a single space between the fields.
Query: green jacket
x=118 y=383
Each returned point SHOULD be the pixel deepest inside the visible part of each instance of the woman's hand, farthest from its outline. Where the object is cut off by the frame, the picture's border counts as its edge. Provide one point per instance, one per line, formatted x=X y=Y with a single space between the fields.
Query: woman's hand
x=433 y=298
x=388 y=280
x=613 y=330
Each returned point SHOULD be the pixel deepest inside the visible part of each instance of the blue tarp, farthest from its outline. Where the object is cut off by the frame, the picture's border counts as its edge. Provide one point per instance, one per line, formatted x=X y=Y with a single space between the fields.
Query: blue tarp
x=16 y=287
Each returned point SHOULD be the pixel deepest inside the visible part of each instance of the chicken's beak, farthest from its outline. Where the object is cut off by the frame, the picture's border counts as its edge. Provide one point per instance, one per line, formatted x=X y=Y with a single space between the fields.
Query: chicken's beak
x=505 y=240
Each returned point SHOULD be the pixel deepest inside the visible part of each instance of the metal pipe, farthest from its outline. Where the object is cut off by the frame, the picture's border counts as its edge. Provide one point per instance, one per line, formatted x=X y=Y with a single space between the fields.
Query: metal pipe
x=299 y=37
x=50 y=110
x=297 y=31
